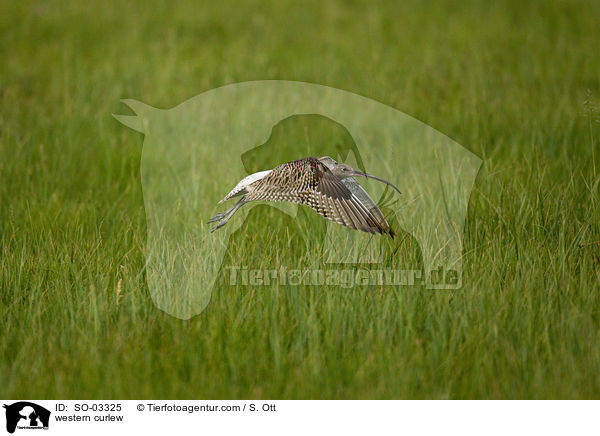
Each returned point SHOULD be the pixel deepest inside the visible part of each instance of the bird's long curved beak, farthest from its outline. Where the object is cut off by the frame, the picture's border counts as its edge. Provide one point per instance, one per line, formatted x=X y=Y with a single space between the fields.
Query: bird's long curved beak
x=370 y=176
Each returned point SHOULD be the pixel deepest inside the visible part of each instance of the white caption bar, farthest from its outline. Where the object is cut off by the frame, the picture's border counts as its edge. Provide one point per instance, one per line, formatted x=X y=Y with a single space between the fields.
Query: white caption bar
x=266 y=417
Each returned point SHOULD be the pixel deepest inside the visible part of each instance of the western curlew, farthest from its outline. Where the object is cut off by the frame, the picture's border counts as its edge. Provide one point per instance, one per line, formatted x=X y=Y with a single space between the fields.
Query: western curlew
x=326 y=186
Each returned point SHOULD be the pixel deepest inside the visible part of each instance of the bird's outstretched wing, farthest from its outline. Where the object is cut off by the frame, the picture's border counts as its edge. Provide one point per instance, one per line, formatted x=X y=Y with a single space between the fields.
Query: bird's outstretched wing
x=364 y=198
x=307 y=181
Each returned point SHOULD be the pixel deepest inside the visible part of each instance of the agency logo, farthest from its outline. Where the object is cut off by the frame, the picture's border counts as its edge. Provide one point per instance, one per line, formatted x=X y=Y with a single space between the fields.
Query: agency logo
x=25 y=415
x=195 y=153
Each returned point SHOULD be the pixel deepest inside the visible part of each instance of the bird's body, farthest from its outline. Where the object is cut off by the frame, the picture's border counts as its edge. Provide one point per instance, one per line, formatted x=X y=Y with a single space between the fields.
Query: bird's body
x=319 y=183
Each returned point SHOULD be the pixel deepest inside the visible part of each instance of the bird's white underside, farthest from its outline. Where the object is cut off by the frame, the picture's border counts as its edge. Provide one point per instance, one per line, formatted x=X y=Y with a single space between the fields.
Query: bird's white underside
x=245 y=182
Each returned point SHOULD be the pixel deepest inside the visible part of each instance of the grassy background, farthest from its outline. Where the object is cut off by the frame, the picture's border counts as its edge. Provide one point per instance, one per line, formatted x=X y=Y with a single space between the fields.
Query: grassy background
x=516 y=82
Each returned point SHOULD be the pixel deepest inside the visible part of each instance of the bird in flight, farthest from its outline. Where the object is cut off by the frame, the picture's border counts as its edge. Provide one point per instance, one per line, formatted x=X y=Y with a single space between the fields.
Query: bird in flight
x=324 y=185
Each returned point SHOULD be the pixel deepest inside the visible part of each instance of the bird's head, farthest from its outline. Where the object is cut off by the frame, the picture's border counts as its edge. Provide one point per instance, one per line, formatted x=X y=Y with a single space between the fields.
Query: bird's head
x=343 y=171
x=339 y=170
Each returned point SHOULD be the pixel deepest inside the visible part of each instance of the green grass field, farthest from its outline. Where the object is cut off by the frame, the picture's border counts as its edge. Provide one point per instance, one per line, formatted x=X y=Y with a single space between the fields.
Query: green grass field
x=516 y=82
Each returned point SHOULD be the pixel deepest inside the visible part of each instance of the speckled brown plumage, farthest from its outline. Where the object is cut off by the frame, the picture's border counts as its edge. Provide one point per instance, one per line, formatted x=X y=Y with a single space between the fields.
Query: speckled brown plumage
x=309 y=182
